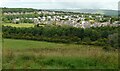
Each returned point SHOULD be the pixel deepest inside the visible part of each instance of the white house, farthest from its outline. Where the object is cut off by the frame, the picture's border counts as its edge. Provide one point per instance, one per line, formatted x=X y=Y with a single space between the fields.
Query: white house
x=16 y=20
x=77 y=25
x=86 y=24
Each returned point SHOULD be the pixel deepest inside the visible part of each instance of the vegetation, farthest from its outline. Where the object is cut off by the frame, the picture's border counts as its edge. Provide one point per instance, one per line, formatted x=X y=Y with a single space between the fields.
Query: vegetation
x=101 y=36
x=32 y=13
x=9 y=18
x=17 y=10
x=26 y=54
x=19 y=25
x=66 y=47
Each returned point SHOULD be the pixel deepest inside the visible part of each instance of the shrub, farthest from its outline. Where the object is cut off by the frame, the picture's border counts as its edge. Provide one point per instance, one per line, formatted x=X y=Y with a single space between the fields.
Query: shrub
x=101 y=42
x=107 y=48
x=113 y=40
x=89 y=36
x=86 y=40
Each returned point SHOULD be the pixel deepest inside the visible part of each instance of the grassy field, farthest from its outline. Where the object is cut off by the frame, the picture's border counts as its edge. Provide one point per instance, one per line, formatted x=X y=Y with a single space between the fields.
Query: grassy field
x=19 y=25
x=26 y=54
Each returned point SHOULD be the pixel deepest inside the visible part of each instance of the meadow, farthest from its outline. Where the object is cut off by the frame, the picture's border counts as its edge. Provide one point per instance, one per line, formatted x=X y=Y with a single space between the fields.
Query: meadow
x=27 y=54
x=19 y=25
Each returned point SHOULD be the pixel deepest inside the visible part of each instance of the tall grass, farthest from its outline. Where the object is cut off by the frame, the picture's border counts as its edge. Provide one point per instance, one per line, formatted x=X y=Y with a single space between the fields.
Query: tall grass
x=24 y=54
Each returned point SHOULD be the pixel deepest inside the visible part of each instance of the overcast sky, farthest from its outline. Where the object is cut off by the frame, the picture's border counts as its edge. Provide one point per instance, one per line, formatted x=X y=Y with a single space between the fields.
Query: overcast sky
x=61 y=4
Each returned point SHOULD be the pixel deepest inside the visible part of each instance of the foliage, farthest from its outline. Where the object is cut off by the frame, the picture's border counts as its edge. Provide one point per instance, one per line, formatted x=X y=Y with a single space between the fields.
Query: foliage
x=26 y=54
x=17 y=10
x=113 y=40
x=95 y=36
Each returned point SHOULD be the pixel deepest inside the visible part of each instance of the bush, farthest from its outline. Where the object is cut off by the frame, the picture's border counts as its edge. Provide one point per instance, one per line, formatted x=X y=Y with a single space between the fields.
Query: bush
x=101 y=42
x=113 y=40
x=107 y=48
x=86 y=40
x=90 y=36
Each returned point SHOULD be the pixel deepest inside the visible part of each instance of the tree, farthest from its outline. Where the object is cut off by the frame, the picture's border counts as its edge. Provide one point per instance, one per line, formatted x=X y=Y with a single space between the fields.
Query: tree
x=113 y=40
x=87 y=40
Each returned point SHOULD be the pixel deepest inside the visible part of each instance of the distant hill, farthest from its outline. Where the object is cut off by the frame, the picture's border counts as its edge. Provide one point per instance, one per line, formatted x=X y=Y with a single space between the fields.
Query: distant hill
x=93 y=11
x=17 y=9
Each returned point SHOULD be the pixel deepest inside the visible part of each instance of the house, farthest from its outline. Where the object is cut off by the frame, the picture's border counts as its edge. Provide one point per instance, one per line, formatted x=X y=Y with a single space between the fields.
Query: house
x=116 y=22
x=82 y=19
x=36 y=20
x=77 y=25
x=30 y=18
x=90 y=16
x=105 y=24
x=96 y=25
x=16 y=21
x=86 y=24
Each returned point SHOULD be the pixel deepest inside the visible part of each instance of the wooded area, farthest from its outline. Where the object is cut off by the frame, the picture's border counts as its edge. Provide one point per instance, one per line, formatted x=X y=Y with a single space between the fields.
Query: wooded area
x=101 y=36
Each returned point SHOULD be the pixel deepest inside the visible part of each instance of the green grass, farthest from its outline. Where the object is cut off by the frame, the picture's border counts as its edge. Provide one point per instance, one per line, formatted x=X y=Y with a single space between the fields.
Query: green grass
x=26 y=54
x=19 y=25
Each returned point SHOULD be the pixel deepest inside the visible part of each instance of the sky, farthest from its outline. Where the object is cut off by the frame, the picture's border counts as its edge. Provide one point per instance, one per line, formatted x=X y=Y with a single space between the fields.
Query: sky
x=61 y=4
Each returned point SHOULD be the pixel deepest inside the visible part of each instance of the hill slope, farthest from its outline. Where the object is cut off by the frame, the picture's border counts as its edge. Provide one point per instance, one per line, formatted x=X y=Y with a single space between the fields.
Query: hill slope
x=99 y=11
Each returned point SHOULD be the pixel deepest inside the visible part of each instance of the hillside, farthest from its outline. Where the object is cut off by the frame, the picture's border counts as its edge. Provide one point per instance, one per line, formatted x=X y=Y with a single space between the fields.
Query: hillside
x=93 y=11
x=26 y=54
x=98 y=11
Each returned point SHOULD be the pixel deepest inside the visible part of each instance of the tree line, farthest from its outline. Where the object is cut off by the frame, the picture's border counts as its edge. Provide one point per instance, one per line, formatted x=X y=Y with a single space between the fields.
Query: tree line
x=14 y=10
x=100 y=36
x=9 y=18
